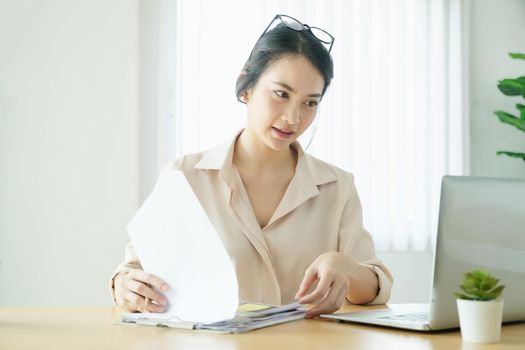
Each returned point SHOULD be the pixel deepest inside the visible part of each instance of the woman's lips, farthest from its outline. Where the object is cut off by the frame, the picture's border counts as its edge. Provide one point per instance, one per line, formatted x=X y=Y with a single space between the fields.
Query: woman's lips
x=282 y=133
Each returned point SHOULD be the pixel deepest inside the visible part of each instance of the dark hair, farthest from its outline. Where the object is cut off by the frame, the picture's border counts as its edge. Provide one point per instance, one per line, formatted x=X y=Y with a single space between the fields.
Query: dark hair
x=277 y=43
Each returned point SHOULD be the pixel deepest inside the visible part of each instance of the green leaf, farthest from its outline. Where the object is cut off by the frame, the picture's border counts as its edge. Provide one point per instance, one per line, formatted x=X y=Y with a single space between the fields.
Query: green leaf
x=511 y=119
x=520 y=107
x=489 y=283
x=468 y=290
x=484 y=295
x=496 y=292
x=486 y=285
x=512 y=154
x=522 y=114
x=520 y=80
x=519 y=56
x=479 y=285
x=511 y=87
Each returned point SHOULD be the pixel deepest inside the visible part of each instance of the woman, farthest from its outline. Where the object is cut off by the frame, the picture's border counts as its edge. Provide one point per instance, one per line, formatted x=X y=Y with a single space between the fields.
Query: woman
x=291 y=223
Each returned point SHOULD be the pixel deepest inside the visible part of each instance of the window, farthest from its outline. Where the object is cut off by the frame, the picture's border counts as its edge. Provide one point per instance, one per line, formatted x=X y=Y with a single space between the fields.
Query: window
x=392 y=116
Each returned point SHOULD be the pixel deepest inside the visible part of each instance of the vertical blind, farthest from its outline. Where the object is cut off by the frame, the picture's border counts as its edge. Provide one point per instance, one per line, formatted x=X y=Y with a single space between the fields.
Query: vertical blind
x=392 y=116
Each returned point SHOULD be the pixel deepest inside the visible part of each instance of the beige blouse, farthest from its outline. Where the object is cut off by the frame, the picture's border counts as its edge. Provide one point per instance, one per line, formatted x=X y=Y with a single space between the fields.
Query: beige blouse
x=319 y=212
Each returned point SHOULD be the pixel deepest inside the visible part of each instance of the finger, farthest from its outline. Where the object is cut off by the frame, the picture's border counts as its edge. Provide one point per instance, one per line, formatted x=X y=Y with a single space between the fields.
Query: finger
x=145 y=291
x=119 y=289
x=319 y=292
x=153 y=307
x=309 y=278
x=125 y=283
x=134 y=302
x=331 y=303
x=138 y=303
x=149 y=278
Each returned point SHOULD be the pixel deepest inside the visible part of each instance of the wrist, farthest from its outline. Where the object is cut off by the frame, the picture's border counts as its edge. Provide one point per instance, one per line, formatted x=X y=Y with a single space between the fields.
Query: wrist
x=364 y=284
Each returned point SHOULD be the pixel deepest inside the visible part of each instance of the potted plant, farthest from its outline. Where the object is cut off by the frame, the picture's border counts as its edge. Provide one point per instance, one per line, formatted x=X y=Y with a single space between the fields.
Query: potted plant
x=480 y=313
x=513 y=87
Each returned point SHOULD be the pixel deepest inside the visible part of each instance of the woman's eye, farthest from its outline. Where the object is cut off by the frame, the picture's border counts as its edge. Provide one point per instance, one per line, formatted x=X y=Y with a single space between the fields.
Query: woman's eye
x=282 y=94
x=311 y=103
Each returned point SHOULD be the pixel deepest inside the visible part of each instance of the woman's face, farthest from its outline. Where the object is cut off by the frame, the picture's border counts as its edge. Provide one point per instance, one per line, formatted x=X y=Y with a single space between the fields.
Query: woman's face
x=284 y=102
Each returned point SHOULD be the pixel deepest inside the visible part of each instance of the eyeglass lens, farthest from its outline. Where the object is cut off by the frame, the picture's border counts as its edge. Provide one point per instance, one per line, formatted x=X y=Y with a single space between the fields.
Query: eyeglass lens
x=321 y=35
x=292 y=23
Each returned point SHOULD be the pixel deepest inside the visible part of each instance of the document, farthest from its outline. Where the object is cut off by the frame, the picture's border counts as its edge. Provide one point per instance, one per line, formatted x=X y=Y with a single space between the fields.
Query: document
x=248 y=317
x=176 y=241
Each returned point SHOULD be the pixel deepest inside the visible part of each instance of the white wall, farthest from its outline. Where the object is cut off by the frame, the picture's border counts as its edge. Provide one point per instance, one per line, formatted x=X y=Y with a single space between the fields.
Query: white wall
x=497 y=28
x=412 y=275
x=69 y=147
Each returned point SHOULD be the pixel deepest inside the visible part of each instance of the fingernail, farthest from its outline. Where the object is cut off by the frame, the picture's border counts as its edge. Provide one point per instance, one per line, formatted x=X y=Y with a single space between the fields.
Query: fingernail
x=164 y=287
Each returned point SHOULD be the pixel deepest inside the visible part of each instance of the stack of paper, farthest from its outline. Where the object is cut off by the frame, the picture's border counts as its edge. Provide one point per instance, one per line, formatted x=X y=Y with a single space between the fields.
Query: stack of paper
x=258 y=316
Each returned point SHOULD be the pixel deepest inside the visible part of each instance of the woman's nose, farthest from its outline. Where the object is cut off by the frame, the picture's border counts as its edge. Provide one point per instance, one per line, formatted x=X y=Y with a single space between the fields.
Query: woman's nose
x=291 y=116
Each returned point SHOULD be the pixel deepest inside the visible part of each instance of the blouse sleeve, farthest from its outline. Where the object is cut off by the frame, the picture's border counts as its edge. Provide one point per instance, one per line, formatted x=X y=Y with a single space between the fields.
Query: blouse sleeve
x=356 y=242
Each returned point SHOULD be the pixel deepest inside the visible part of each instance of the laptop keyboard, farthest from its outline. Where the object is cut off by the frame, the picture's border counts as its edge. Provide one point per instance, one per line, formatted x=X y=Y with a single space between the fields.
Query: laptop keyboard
x=409 y=317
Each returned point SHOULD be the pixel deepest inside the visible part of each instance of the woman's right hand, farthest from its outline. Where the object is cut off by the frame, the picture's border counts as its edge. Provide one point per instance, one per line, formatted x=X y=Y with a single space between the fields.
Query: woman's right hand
x=132 y=288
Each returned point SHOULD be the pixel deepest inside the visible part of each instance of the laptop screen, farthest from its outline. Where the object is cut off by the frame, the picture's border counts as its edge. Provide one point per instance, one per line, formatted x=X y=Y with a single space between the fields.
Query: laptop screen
x=481 y=225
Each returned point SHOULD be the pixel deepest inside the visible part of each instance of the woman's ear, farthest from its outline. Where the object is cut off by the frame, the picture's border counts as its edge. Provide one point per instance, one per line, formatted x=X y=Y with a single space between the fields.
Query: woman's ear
x=244 y=97
x=242 y=74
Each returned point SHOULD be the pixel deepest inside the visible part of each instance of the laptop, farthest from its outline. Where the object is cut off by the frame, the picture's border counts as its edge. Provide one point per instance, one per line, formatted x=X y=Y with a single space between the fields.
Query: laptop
x=481 y=225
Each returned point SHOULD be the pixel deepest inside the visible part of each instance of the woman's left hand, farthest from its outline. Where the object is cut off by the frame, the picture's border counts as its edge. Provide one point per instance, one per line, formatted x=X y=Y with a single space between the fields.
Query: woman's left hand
x=332 y=271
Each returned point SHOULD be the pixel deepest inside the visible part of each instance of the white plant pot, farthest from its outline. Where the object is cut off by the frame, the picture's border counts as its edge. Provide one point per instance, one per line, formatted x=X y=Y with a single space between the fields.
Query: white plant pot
x=480 y=321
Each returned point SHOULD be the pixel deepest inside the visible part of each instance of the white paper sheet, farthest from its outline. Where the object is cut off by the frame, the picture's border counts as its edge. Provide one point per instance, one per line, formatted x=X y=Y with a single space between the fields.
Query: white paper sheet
x=176 y=241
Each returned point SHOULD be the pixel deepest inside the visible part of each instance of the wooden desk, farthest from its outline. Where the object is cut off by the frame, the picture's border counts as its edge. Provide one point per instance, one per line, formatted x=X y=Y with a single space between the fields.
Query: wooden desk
x=92 y=328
